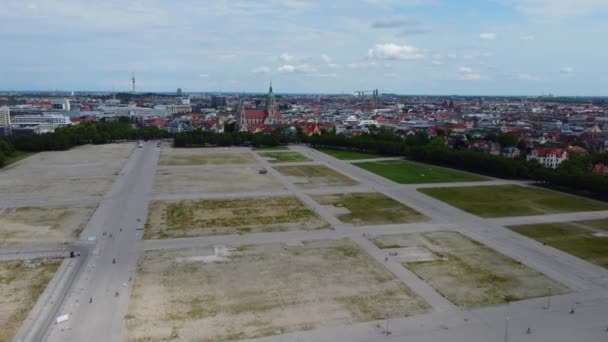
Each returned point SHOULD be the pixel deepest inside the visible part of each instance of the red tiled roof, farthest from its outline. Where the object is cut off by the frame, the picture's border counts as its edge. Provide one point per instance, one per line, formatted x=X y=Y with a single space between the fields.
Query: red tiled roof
x=255 y=114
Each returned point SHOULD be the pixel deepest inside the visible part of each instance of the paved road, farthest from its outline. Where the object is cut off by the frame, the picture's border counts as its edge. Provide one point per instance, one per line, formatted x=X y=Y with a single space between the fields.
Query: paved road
x=118 y=217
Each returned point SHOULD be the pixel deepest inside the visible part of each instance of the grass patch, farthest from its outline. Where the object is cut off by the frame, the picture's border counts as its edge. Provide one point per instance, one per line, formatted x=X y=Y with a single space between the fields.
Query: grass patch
x=314 y=176
x=511 y=200
x=170 y=219
x=347 y=155
x=17 y=156
x=285 y=157
x=184 y=158
x=271 y=148
x=406 y=172
x=370 y=208
x=469 y=273
x=574 y=238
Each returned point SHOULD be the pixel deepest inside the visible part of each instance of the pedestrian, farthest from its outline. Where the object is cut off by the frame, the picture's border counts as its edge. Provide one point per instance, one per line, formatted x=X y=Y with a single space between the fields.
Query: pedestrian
x=386 y=259
x=90 y=300
x=529 y=331
x=121 y=229
x=114 y=260
x=572 y=311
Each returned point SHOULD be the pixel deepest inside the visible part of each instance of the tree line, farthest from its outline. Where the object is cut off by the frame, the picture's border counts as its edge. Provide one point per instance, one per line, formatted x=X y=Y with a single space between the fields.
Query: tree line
x=64 y=138
x=574 y=175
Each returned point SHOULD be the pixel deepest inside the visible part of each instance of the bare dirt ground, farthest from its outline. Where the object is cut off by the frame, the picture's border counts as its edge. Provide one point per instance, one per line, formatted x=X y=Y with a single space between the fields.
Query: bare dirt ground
x=21 y=283
x=468 y=273
x=203 y=156
x=192 y=179
x=171 y=219
x=24 y=226
x=85 y=171
x=261 y=290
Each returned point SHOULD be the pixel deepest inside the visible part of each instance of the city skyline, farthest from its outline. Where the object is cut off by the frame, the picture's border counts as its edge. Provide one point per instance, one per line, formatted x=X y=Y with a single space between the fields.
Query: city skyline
x=525 y=47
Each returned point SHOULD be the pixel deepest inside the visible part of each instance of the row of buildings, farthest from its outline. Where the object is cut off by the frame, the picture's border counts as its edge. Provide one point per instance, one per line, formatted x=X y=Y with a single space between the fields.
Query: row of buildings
x=546 y=129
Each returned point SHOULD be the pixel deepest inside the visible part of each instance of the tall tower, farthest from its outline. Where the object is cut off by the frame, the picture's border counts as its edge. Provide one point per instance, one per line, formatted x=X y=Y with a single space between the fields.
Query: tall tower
x=133 y=82
x=271 y=108
x=240 y=115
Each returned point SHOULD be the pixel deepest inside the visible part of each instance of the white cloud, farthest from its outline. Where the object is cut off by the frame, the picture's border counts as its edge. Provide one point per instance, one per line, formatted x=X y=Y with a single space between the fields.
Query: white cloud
x=528 y=38
x=203 y=75
x=466 y=73
x=487 y=36
x=394 y=22
x=286 y=68
x=436 y=62
x=261 y=70
x=285 y=57
x=526 y=77
x=297 y=4
x=361 y=65
x=566 y=70
x=301 y=69
x=452 y=56
x=393 y=51
x=559 y=8
x=471 y=76
x=326 y=58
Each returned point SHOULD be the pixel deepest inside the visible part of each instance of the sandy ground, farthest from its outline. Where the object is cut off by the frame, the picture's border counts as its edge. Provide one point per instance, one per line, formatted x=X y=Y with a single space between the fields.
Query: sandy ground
x=203 y=156
x=171 y=219
x=81 y=172
x=261 y=290
x=21 y=283
x=24 y=226
x=192 y=179
x=468 y=273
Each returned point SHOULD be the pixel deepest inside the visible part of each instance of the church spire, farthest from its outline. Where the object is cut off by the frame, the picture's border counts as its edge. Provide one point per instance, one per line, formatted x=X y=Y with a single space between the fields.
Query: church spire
x=270 y=89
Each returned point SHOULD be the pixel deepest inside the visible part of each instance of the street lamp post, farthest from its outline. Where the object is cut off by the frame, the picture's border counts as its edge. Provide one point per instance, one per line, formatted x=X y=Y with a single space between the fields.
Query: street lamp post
x=507 y=330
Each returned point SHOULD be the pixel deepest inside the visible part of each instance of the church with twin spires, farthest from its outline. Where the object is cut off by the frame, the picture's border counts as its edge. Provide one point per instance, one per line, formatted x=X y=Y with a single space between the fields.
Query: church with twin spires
x=257 y=120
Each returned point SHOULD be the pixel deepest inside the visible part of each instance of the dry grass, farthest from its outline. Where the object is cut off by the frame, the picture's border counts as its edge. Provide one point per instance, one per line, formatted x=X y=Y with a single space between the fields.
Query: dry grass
x=198 y=179
x=171 y=219
x=262 y=290
x=370 y=208
x=21 y=283
x=21 y=226
x=470 y=274
x=202 y=157
x=315 y=176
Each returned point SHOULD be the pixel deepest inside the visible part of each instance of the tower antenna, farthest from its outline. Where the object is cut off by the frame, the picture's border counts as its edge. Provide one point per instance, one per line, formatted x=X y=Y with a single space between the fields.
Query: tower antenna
x=133 y=81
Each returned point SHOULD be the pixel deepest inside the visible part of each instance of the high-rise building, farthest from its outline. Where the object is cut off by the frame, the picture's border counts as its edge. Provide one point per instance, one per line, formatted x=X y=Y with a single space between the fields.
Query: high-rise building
x=218 y=101
x=5 y=121
x=60 y=105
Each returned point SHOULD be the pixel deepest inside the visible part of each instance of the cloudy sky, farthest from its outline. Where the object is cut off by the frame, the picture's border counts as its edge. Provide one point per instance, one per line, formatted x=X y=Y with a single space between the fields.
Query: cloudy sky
x=510 y=47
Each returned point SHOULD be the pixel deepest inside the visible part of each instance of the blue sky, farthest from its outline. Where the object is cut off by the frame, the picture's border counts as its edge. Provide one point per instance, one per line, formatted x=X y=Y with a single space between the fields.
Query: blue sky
x=510 y=47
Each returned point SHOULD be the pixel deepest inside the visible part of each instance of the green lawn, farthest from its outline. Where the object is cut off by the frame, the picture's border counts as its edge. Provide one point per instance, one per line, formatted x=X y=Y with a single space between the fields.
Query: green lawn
x=370 y=208
x=17 y=156
x=511 y=200
x=284 y=157
x=347 y=155
x=406 y=172
x=271 y=148
x=575 y=238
